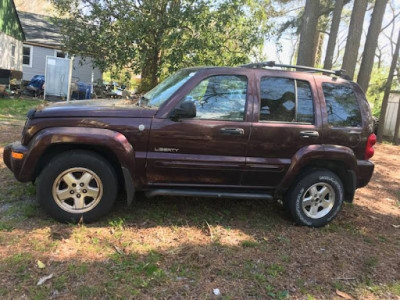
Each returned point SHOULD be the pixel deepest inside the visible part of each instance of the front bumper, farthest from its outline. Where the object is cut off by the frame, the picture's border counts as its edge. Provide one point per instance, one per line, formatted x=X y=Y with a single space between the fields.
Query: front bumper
x=15 y=165
x=365 y=171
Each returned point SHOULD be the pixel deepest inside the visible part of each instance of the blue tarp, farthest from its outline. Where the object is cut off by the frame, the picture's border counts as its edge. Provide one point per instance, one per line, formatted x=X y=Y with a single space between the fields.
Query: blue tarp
x=36 y=83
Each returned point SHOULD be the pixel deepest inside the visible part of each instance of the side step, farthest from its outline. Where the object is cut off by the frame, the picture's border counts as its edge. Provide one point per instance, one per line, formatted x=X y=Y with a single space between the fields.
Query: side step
x=210 y=194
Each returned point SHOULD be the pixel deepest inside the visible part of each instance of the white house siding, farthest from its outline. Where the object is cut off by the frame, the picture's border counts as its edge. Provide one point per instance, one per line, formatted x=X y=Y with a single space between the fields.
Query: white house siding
x=83 y=70
x=391 y=115
x=38 y=56
x=5 y=53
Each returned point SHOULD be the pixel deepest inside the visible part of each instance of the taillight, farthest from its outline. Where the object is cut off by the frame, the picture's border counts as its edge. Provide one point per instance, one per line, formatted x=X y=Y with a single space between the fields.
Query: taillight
x=369 y=149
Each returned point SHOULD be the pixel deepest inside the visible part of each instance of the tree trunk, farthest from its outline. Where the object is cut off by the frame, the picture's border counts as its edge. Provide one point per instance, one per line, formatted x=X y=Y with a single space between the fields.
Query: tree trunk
x=307 y=33
x=371 y=42
x=354 y=37
x=330 y=48
x=149 y=78
x=388 y=86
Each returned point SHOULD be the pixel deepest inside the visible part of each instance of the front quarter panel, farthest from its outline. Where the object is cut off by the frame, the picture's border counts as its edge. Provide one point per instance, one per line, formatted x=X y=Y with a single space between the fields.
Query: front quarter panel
x=112 y=140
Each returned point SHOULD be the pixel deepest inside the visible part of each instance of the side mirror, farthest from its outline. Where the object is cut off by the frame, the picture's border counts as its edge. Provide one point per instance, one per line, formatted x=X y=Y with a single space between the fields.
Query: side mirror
x=184 y=110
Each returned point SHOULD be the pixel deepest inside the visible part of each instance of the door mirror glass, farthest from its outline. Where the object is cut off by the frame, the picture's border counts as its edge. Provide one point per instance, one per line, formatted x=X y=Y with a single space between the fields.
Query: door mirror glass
x=184 y=110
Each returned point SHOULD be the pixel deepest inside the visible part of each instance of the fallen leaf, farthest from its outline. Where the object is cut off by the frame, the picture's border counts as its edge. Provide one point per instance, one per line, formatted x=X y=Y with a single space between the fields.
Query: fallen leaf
x=396 y=226
x=344 y=295
x=44 y=279
x=40 y=265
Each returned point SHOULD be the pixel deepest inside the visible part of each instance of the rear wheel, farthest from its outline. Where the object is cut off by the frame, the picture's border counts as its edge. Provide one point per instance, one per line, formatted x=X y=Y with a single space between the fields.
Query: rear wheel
x=315 y=199
x=77 y=185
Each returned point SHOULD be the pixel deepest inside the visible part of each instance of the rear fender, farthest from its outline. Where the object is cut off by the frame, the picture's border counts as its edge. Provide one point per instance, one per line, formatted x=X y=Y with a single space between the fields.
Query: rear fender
x=315 y=155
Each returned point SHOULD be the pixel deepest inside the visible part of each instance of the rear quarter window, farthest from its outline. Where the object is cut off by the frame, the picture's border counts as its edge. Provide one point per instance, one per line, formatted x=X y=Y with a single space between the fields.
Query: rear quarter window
x=341 y=105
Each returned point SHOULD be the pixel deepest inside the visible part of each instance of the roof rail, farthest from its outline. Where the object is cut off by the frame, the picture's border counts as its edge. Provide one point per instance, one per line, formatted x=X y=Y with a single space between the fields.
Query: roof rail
x=271 y=64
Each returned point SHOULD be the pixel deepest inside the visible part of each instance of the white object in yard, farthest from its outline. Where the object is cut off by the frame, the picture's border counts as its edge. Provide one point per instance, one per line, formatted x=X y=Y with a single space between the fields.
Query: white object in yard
x=391 y=115
x=216 y=292
x=71 y=64
x=44 y=279
x=57 y=74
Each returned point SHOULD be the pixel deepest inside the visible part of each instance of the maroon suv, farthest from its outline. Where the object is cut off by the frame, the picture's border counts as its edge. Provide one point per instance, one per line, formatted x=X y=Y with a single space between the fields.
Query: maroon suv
x=243 y=132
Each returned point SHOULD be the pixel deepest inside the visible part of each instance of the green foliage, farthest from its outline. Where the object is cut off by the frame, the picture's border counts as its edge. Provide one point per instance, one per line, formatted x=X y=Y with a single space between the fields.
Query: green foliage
x=376 y=89
x=157 y=37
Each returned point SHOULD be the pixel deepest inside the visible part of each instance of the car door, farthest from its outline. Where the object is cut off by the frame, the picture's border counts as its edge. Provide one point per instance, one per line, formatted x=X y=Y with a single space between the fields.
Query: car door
x=285 y=120
x=210 y=148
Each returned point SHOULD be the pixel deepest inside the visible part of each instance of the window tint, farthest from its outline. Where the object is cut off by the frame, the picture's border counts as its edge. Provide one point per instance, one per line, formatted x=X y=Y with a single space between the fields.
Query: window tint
x=163 y=91
x=278 y=100
x=305 y=106
x=220 y=98
x=341 y=105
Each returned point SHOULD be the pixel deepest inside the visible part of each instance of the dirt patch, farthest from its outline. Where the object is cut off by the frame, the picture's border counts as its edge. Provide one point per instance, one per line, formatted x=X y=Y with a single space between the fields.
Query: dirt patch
x=178 y=248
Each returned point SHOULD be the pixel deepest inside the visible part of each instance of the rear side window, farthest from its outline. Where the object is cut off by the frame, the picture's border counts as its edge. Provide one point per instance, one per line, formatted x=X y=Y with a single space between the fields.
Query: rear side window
x=341 y=105
x=286 y=100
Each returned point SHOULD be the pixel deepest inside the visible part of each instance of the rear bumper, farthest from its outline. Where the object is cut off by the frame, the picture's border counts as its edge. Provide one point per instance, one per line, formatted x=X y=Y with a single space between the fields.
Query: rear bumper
x=365 y=171
x=15 y=165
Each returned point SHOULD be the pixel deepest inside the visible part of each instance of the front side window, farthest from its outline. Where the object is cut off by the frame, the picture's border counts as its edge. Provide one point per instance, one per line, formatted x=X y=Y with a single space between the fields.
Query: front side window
x=286 y=100
x=341 y=105
x=27 y=56
x=221 y=97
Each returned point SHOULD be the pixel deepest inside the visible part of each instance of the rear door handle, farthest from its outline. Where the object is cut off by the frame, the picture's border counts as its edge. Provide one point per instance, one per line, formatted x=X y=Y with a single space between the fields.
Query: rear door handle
x=232 y=131
x=354 y=132
x=308 y=134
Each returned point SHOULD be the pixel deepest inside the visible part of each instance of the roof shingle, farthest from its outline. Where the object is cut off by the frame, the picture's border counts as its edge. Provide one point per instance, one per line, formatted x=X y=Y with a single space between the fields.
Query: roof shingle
x=40 y=29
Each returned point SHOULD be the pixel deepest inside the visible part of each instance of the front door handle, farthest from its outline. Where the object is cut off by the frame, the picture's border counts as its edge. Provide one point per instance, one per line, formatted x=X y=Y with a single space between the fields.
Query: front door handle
x=232 y=131
x=308 y=134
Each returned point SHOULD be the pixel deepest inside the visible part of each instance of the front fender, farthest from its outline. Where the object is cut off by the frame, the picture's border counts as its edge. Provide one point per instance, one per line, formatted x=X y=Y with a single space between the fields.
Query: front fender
x=309 y=155
x=96 y=137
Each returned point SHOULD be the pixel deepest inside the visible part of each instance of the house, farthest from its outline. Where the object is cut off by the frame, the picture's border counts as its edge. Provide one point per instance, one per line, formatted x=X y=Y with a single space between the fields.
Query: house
x=11 y=43
x=43 y=38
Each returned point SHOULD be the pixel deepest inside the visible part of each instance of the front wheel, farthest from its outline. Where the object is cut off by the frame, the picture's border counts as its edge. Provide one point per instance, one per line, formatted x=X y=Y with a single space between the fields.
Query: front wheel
x=77 y=185
x=315 y=199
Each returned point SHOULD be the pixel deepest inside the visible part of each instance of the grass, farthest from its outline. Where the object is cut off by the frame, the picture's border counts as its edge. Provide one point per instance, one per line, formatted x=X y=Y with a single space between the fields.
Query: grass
x=5 y=227
x=16 y=108
x=249 y=244
x=185 y=247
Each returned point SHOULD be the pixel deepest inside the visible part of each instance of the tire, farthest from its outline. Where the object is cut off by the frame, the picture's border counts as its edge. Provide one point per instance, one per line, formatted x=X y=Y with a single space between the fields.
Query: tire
x=315 y=199
x=77 y=185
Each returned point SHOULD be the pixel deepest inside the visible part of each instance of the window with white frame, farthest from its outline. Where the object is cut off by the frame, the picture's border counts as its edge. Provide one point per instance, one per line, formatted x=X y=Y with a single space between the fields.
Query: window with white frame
x=60 y=54
x=27 y=56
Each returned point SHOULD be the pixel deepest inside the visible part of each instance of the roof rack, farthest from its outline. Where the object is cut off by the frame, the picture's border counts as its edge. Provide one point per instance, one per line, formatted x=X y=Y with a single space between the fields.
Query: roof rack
x=339 y=73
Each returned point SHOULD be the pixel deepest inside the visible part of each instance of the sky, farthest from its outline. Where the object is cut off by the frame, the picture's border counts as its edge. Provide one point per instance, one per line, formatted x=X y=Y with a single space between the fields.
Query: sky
x=288 y=41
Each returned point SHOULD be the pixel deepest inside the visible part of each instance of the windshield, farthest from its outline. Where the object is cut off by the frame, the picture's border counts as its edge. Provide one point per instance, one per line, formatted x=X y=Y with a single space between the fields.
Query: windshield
x=159 y=94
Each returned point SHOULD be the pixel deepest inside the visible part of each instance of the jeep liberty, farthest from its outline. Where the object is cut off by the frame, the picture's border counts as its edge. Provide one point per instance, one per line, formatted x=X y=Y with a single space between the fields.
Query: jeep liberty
x=238 y=132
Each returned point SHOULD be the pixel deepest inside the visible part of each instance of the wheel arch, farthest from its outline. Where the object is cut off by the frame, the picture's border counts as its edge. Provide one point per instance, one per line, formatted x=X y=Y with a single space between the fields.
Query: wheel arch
x=111 y=145
x=56 y=149
x=338 y=159
x=339 y=168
